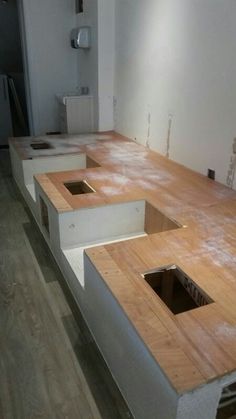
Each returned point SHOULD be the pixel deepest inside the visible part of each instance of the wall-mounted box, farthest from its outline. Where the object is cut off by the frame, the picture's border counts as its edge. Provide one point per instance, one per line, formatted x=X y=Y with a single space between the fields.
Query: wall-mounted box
x=80 y=37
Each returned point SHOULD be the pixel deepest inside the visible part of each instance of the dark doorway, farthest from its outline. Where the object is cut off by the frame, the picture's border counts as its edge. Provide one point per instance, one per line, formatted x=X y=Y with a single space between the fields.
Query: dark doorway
x=12 y=85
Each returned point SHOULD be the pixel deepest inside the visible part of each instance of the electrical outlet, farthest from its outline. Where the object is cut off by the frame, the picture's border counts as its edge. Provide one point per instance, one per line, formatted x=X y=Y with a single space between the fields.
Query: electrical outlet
x=211 y=174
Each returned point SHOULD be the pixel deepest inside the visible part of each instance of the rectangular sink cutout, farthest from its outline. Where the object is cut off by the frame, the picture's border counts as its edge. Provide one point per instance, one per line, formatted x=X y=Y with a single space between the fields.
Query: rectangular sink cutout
x=78 y=188
x=44 y=214
x=227 y=405
x=178 y=291
x=156 y=221
x=40 y=145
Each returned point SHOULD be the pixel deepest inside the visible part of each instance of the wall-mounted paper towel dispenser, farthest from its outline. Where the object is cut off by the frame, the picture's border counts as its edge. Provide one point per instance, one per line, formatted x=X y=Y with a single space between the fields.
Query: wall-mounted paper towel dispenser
x=80 y=37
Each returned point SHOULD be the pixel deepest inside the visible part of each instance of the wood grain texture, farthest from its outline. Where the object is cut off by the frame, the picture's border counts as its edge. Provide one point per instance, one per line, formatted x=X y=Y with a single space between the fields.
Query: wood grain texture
x=156 y=222
x=41 y=374
x=193 y=347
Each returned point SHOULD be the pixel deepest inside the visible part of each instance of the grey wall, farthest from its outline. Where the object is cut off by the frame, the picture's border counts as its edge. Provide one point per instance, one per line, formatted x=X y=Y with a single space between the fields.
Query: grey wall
x=52 y=63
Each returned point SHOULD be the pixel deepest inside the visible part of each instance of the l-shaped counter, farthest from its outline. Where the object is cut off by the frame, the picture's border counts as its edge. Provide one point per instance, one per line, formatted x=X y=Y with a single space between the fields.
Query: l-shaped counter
x=148 y=250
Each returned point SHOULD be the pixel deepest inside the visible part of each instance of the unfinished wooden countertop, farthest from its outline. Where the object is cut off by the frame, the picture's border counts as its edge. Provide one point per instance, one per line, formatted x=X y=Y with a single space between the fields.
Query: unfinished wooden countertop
x=196 y=346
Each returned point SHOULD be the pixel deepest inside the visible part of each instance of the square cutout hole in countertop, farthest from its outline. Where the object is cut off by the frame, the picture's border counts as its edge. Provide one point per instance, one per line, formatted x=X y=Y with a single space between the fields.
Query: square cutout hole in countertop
x=40 y=145
x=178 y=291
x=227 y=404
x=78 y=188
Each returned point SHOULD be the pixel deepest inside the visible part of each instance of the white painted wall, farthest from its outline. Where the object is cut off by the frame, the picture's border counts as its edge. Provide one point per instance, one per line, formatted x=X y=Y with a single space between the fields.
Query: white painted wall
x=106 y=57
x=96 y=65
x=87 y=60
x=54 y=67
x=52 y=63
x=48 y=164
x=91 y=225
x=178 y=58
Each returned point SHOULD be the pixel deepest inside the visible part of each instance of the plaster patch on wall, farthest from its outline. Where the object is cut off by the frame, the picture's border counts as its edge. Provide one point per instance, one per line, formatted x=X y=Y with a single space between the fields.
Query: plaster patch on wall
x=115 y=110
x=232 y=167
x=170 y=119
x=148 y=127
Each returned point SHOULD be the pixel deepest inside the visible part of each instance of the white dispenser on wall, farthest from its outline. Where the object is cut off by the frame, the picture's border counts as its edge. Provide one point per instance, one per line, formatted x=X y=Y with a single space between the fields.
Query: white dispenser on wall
x=81 y=37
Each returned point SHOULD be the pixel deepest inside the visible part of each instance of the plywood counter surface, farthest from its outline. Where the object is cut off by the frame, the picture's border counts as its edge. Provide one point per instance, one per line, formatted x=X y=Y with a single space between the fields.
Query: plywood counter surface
x=129 y=168
x=196 y=346
x=62 y=144
x=193 y=347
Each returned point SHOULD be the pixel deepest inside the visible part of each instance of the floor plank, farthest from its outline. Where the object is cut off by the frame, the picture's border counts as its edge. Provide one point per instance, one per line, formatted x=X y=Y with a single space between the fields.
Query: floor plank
x=50 y=366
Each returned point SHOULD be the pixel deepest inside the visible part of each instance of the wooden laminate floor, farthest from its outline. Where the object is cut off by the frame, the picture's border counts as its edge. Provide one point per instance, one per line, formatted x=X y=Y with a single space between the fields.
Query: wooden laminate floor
x=50 y=366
